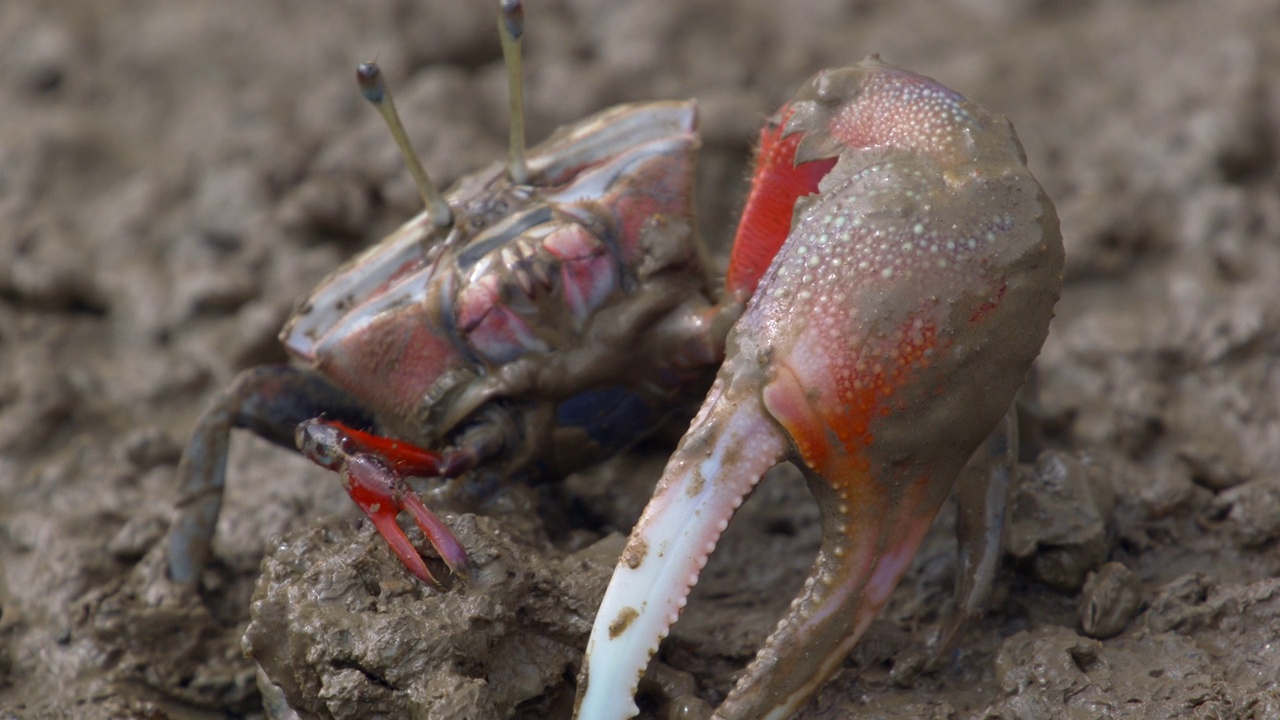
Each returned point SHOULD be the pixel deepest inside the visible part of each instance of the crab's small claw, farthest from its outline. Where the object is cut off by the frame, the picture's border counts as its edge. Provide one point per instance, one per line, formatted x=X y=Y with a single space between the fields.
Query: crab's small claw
x=374 y=478
x=886 y=340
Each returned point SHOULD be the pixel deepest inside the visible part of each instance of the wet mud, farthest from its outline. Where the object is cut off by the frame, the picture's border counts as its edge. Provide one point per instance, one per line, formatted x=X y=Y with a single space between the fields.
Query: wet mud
x=174 y=177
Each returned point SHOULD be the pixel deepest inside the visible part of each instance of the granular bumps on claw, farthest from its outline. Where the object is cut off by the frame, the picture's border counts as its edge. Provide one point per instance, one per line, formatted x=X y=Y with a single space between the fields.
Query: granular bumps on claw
x=954 y=246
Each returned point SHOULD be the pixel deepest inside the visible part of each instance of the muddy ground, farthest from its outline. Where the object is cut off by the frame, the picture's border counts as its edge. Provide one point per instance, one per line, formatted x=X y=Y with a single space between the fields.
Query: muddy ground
x=175 y=176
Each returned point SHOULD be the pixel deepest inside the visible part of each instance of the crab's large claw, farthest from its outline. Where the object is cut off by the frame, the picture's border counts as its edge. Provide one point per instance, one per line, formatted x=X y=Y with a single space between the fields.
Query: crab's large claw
x=886 y=340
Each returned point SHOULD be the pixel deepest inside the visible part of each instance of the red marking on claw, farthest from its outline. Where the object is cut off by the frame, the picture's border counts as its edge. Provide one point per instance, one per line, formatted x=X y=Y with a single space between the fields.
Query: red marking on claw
x=766 y=218
x=989 y=306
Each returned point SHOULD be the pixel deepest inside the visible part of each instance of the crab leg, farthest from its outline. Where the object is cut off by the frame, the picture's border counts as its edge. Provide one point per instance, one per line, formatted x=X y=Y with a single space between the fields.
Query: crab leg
x=982 y=496
x=886 y=340
x=269 y=400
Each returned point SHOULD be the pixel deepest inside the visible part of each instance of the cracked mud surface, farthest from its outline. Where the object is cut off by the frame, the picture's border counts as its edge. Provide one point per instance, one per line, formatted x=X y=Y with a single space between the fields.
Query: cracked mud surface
x=174 y=177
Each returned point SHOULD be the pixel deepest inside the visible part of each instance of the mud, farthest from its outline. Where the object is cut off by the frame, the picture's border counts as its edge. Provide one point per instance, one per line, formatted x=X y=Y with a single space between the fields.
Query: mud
x=175 y=176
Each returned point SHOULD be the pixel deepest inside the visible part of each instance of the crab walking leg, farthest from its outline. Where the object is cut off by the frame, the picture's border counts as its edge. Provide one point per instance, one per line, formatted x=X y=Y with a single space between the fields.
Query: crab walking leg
x=269 y=400
x=982 y=497
x=718 y=462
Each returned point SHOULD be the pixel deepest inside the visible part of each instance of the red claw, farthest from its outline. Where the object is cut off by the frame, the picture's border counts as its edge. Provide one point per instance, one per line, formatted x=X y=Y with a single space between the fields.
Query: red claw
x=405 y=458
x=373 y=469
x=766 y=218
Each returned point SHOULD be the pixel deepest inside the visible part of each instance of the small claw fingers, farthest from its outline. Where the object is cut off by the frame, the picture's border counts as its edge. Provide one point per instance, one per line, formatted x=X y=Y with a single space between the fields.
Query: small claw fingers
x=440 y=537
x=390 y=530
x=375 y=488
x=379 y=490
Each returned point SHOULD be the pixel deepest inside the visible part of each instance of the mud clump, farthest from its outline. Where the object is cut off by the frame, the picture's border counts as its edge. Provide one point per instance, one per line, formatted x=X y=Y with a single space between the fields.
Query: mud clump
x=1109 y=600
x=343 y=632
x=1061 y=511
x=1049 y=671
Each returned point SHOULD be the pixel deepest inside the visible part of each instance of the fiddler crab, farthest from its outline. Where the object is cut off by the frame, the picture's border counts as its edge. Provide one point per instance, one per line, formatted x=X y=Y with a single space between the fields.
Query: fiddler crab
x=891 y=281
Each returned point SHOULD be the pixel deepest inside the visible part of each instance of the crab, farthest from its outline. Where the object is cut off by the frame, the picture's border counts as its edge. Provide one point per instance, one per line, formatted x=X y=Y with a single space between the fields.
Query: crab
x=890 y=283
x=541 y=315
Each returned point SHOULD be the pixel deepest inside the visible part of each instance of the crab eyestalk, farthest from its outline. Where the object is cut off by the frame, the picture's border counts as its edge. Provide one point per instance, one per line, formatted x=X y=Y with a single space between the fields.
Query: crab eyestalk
x=511 y=30
x=375 y=90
